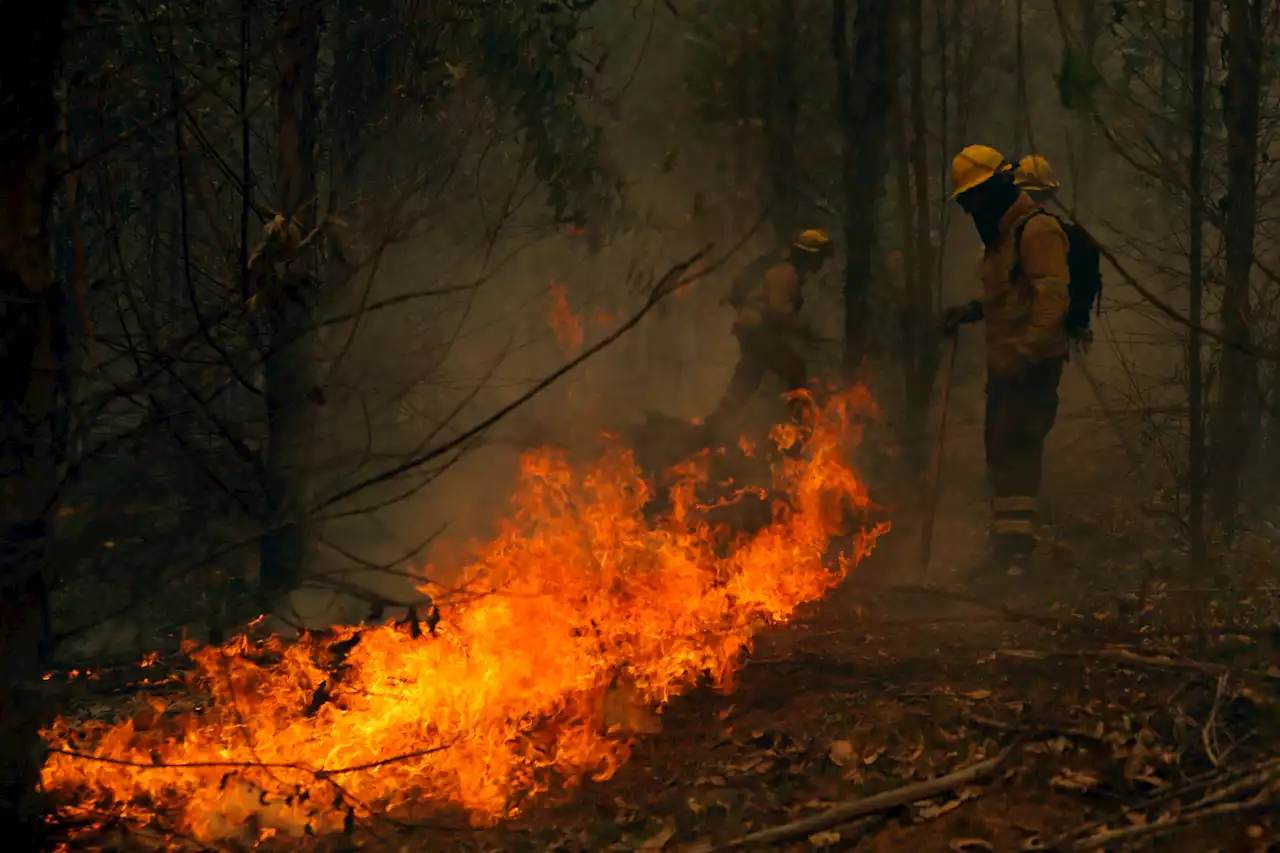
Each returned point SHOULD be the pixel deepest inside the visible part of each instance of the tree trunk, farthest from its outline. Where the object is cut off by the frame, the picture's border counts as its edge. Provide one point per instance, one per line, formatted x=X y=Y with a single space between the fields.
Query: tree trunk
x=289 y=364
x=1236 y=426
x=1084 y=173
x=345 y=140
x=1020 y=82
x=924 y=345
x=29 y=335
x=1195 y=251
x=785 y=112
x=864 y=90
x=904 y=204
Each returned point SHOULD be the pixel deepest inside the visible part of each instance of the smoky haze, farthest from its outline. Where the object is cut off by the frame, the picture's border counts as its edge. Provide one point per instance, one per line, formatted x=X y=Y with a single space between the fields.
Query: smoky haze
x=479 y=351
x=316 y=282
x=429 y=368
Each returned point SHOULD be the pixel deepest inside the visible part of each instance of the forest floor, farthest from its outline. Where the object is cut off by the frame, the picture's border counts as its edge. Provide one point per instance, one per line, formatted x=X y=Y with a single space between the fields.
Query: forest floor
x=1128 y=711
x=1112 y=723
x=1117 y=729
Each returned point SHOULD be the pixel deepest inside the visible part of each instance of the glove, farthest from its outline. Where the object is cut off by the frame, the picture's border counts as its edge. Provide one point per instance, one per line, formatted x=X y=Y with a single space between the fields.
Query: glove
x=957 y=315
x=1080 y=339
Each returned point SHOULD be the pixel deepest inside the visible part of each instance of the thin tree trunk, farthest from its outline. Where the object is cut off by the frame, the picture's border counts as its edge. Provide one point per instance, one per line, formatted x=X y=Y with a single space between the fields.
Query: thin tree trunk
x=1169 y=129
x=785 y=107
x=246 y=144
x=345 y=140
x=1020 y=83
x=864 y=90
x=290 y=365
x=905 y=204
x=1237 y=425
x=1195 y=368
x=1084 y=173
x=945 y=43
x=30 y=55
x=924 y=308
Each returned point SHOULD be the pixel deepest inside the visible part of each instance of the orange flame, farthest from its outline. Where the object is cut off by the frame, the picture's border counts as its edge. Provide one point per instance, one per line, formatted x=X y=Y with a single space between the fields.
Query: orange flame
x=505 y=698
x=566 y=324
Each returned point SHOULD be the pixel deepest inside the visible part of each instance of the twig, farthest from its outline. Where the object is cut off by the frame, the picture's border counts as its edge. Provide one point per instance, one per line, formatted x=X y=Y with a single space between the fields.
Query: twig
x=317 y=772
x=1035 y=728
x=1121 y=656
x=1207 y=806
x=1209 y=731
x=851 y=809
x=1135 y=457
x=1263 y=774
x=1112 y=838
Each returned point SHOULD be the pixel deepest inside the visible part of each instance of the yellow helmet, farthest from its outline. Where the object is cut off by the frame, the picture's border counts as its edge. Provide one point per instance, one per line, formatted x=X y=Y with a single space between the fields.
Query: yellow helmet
x=974 y=165
x=1035 y=174
x=815 y=240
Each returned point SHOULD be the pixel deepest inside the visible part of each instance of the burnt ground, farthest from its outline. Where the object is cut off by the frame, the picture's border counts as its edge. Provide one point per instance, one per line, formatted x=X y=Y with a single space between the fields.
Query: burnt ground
x=1120 y=705
x=1132 y=708
x=1122 y=709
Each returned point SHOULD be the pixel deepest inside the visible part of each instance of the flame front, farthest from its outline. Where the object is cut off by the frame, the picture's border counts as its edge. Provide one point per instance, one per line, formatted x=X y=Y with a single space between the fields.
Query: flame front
x=579 y=589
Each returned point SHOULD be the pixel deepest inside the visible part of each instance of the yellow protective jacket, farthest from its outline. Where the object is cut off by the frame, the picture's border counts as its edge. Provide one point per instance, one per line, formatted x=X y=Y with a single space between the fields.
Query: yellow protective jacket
x=1025 y=312
x=774 y=303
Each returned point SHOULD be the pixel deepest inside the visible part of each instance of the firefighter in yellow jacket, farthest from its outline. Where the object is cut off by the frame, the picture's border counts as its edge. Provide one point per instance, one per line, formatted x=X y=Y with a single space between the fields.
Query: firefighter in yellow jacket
x=1023 y=301
x=769 y=328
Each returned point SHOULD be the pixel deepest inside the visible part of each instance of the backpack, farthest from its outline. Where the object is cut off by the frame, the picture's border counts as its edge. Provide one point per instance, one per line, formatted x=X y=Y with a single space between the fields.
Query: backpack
x=1084 y=263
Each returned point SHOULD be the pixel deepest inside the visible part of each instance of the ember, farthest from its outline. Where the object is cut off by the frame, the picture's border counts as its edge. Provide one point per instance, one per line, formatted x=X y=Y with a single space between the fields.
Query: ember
x=506 y=696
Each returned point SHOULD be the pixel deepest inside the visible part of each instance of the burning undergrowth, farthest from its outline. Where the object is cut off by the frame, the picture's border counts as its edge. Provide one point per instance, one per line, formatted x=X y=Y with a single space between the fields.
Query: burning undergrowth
x=503 y=697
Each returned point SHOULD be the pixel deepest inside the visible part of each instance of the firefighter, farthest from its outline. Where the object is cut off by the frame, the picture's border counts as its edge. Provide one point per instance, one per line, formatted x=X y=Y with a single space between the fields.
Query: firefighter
x=1024 y=300
x=1034 y=176
x=769 y=328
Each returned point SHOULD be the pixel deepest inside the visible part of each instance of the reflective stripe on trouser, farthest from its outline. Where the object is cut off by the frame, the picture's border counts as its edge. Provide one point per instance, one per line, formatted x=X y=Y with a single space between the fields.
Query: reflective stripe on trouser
x=1013 y=515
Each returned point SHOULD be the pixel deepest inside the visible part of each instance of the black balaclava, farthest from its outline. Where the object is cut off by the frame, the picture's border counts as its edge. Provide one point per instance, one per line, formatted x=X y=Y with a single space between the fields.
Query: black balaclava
x=805 y=263
x=986 y=204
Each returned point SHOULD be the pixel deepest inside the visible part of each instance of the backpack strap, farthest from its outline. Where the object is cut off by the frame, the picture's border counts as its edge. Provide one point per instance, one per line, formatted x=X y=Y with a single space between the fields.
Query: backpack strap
x=1016 y=270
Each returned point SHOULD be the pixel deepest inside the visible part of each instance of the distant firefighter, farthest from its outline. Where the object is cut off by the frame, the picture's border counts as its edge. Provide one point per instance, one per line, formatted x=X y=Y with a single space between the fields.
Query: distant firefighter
x=768 y=326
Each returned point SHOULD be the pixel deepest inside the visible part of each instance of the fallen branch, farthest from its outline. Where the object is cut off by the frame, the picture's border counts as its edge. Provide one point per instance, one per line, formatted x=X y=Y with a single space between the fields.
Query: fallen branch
x=1032 y=728
x=856 y=808
x=1109 y=839
x=1121 y=656
x=1209 y=806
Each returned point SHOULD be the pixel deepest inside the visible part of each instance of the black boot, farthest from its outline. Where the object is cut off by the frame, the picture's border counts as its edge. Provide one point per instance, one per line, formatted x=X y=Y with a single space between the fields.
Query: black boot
x=1012 y=552
x=1006 y=560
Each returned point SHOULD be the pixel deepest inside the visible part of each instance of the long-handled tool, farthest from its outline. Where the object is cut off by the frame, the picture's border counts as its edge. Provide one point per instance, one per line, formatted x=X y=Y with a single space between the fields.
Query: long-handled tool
x=935 y=465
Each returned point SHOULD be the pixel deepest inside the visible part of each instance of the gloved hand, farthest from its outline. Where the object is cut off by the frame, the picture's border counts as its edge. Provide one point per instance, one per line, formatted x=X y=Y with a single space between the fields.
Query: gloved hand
x=1081 y=340
x=957 y=315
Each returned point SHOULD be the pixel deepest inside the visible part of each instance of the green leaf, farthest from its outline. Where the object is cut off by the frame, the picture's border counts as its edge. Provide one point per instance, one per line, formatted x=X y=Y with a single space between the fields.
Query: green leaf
x=1077 y=80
